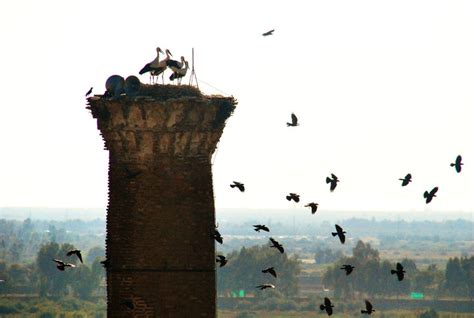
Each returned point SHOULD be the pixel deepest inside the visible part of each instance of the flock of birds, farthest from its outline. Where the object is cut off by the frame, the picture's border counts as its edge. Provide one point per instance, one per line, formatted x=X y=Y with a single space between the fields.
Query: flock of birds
x=179 y=69
x=332 y=180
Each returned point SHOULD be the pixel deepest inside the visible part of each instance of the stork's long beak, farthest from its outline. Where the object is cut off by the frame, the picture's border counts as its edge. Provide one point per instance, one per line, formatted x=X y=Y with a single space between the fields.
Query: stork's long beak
x=169 y=52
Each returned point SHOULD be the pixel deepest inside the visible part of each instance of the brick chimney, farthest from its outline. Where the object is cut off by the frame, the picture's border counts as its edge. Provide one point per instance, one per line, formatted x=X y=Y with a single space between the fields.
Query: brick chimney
x=161 y=213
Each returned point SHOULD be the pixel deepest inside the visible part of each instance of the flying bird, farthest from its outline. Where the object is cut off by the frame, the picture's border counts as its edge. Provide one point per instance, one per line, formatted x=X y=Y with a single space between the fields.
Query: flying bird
x=61 y=265
x=327 y=306
x=268 y=33
x=348 y=269
x=259 y=227
x=429 y=196
x=332 y=181
x=399 y=271
x=294 y=121
x=313 y=206
x=406 y=180
x=339 y=232
x=270 y=271
x=457 y=164
x=77 y=252
x=369 y=309
x=239 y=186
x=89 y=92
x=217 y=236
x=293 y=196
x=265 y=286
x=105 y=263
x=277 y=245
x=221 y=260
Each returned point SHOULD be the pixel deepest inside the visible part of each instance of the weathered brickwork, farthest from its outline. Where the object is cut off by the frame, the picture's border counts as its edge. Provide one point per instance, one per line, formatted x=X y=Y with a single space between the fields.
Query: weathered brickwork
x=161 y=205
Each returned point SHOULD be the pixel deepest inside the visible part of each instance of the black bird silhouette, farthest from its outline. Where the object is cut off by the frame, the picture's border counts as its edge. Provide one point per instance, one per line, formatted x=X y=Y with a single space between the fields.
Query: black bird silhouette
x=332 y=181
x=77 y=252
x=457 y=164
x=89 y=91
x=217 y=236
x=61 y=265
x=348 y=269
x=221 y=259
x=271 y=271
x=293 y=196
x=406 y=180
x=429 y=196
x=259 y=227
x=313 y=206
x=400 y=272
x=239 y=186
x=265 y=286
x=277 y=245
x=294 y=121
x=339 y=233
x=105 y=263
x=369 y=309
x=268 y=33
x=327 y=306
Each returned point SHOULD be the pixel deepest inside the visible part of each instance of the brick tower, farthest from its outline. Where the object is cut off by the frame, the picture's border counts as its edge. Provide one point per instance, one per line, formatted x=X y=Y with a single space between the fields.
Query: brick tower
x=160 y=213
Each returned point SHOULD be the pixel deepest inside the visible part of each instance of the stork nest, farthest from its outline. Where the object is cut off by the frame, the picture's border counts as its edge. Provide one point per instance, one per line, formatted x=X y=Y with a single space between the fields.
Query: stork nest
x=164 y=92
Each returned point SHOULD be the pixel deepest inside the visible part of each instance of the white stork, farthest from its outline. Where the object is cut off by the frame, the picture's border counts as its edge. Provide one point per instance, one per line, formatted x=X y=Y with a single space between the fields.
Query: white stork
x=180 y=73
x=153 y=64
x=175 y=65
x=162 y=65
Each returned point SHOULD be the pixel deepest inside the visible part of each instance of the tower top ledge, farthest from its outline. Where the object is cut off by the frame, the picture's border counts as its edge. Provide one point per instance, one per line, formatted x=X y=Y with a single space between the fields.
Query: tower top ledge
x=161 y=119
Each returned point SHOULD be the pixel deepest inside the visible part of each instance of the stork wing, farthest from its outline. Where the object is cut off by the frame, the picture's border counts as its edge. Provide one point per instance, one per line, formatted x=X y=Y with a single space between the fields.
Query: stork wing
x=70 y=253
x=273 y=241
x=334 y=176
x=458 y=160
x=79 y=256
x=342 y=237
x=338 y=229
x=433 y=192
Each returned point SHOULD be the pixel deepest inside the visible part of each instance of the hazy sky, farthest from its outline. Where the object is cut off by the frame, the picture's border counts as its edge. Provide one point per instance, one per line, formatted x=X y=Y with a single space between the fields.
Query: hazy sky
x=382 y=88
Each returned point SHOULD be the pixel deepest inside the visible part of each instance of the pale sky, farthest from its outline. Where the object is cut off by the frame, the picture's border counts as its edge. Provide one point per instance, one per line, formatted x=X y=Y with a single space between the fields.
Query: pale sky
x=381 y=88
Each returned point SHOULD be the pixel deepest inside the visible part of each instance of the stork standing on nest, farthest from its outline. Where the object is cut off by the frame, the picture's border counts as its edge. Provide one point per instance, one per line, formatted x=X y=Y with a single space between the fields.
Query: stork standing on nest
x=156 y=67
x=153 y=64
x=162 y=66
x=180 y=73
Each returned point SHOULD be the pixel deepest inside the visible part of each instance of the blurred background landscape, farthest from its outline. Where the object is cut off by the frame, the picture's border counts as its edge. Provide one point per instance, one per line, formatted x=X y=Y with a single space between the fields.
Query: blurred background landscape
x=436 y=251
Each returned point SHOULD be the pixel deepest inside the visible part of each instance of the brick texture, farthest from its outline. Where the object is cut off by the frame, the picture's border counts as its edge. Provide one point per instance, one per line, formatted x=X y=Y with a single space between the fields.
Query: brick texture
x=161 y=212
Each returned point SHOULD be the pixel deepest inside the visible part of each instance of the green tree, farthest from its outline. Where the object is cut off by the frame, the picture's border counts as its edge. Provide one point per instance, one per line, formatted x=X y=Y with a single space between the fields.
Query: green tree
x=244 y=271
x=95 y=252
x=52 y=280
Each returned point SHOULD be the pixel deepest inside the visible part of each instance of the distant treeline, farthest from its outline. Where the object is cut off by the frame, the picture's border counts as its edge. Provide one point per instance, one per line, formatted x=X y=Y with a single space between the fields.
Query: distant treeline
x=453 y=230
